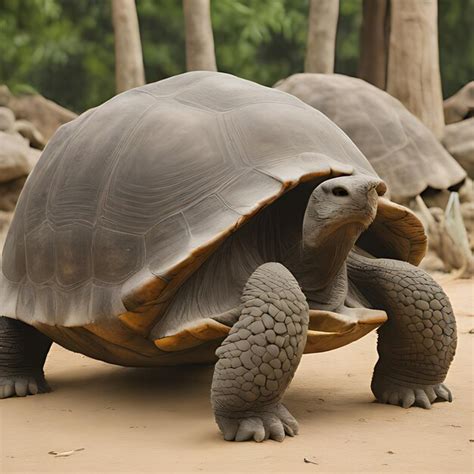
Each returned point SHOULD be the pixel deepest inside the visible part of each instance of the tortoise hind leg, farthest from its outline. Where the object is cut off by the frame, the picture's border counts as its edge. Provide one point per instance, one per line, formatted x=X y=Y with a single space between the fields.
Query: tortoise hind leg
x=23 y=351
x=259 y=358
x=417 y=344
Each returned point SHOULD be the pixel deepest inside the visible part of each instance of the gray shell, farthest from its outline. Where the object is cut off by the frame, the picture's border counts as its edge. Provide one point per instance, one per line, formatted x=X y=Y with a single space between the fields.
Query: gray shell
x=405 y=154
x=131 y=192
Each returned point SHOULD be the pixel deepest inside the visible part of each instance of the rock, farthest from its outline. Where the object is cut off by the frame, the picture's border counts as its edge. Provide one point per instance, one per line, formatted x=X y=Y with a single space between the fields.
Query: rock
x=432 y=263
x=9 y=193
x=15 y=157
x=7 y=119
x=445 y=231
x=459 y=141
x=5 y=219
x=467 y=211
x=5 y=95
x=460 y=105
x=31 y=133
x=46 y=115
x=466 y=191
x=33 y=156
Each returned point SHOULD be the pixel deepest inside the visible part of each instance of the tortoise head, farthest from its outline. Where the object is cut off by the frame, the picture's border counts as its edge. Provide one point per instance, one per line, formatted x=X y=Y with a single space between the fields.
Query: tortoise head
x=341 y=209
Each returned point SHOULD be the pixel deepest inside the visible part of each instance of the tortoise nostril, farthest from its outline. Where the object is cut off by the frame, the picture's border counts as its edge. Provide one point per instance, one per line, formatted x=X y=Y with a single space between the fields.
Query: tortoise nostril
x=340 y=191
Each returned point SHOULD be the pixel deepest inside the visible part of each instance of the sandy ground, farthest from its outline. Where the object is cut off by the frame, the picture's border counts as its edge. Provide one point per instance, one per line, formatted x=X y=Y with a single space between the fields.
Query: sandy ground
x=134 y=420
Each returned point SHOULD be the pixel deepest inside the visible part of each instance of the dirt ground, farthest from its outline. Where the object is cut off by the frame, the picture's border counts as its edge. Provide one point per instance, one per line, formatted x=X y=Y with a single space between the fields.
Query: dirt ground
x=135 y=420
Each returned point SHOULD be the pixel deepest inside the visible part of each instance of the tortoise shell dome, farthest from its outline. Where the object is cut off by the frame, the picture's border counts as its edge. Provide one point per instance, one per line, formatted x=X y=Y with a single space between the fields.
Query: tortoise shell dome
x=131 y=197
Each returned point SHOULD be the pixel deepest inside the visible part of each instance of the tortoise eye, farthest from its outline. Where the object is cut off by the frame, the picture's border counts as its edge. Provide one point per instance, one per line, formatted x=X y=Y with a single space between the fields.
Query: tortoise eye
x=340 y=191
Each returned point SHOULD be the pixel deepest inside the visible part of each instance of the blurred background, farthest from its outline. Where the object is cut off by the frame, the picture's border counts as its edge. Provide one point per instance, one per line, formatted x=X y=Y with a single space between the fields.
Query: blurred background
x=64 y=49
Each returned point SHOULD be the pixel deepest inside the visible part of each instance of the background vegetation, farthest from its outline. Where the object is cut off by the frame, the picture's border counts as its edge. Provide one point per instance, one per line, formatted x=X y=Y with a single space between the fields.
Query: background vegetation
x=65 y=50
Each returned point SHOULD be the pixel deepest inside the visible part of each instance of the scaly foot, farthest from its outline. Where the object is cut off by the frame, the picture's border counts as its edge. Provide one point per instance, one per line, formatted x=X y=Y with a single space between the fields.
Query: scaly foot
x=271 y=422
x=407 y=395
x=21 y=385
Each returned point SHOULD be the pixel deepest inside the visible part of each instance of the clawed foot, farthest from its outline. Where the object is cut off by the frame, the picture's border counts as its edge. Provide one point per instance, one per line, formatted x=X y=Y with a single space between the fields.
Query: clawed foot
x=388 y=391
x=269 y=423
x=22 y=385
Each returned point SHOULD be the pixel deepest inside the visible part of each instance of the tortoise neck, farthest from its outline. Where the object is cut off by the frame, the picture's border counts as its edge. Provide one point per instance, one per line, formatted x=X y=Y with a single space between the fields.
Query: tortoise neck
x=322 y=262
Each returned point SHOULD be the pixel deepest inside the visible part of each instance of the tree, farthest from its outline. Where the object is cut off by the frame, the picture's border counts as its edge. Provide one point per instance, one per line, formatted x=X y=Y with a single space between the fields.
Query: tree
x=129 y=71
x=200 y=53
x=321 y=43
x=374 y=42
x=413 y=74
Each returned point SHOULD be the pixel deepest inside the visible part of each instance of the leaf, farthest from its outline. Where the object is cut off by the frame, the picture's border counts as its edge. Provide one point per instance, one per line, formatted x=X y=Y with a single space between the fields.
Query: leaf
x=65 y=454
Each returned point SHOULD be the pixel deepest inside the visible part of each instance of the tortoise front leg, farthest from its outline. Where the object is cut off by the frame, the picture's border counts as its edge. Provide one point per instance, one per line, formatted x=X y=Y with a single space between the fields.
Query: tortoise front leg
x=259 y=358
x=417 y=344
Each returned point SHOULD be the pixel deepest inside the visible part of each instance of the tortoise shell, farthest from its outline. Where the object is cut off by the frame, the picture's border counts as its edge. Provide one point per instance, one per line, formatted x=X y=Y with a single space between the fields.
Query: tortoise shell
x=129 y=199
x=403 y=151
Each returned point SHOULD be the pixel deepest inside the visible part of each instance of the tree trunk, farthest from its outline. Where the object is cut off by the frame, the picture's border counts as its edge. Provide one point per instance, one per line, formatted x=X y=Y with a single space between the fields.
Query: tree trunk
x=200 y=54
x=322 y=28
x=129 y=70
x=413 y=74
x=374 y=42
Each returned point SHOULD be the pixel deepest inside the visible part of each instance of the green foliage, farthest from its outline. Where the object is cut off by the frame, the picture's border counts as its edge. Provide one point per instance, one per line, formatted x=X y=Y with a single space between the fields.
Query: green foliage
x=65 y=49
x=455 y=23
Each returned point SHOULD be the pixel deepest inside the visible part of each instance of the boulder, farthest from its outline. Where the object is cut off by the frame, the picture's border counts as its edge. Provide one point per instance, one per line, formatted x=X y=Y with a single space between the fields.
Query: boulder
x=44 y=114
x=31 y=133
x=5 y=220
x=10 y=192
x=7 y=119
x=16 y=158
x=460 y=105
x=459 y=141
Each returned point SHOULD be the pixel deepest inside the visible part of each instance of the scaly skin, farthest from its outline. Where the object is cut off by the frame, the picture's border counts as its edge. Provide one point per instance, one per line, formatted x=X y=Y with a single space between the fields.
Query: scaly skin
x=259 y=357
x=417 y=343
x=23 y=351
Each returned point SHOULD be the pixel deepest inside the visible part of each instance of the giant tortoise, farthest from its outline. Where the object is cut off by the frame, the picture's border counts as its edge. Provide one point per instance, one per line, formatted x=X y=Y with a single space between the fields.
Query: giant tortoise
x=207 y=212
x=403 y=151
